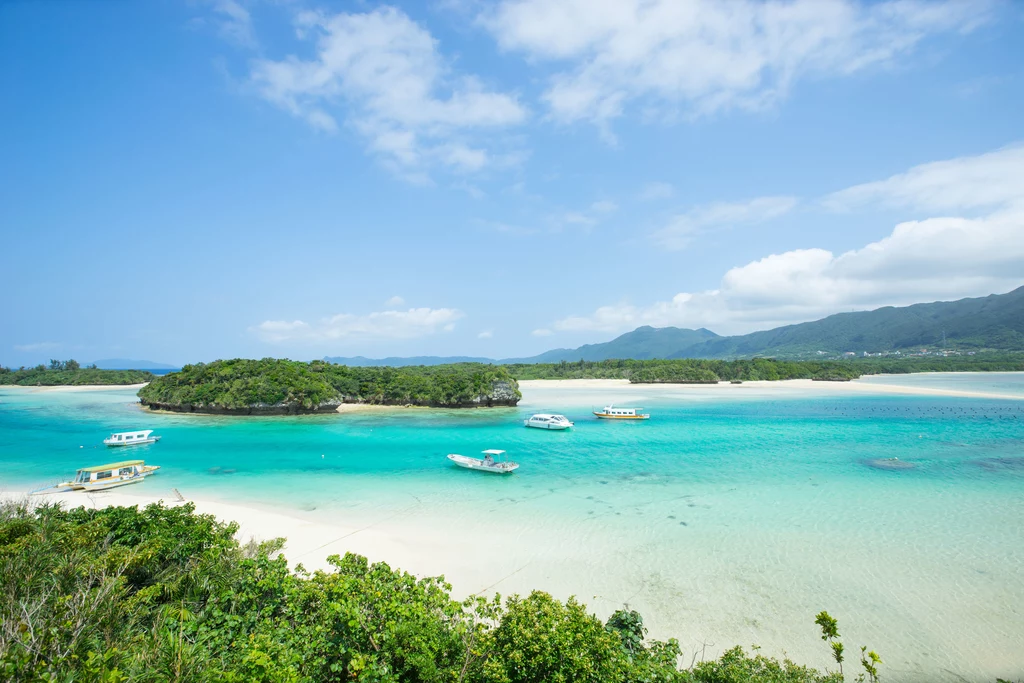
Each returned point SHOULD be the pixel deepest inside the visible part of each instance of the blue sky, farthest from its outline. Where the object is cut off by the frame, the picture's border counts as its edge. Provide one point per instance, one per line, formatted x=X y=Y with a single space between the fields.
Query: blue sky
x=182 y=181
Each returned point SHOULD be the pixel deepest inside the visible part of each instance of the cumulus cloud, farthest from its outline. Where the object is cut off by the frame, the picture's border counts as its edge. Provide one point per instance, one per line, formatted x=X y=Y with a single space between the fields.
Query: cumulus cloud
x=486 y=334
x=387 y=73
x=706 y=55
x=935 y=258
x=542 y=332
x=681 y=229
x=395 y=302
x=604 y=206
x=979 y=182
x=415 y=322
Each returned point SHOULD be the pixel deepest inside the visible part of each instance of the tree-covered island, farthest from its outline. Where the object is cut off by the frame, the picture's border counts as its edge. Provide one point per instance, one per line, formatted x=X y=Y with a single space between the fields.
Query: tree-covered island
x=69 y=373
x=274 y=386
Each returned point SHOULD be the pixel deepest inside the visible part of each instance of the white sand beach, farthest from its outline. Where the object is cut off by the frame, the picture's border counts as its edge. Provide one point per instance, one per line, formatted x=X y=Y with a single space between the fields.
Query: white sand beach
x=714 y=563
x=75 y=388
x=594 y=388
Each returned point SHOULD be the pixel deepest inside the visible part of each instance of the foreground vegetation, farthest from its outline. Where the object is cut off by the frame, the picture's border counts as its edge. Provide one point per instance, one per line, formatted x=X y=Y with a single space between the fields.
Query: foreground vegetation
x=69 y=372
x=274 y=385
x=700 y=371
x=164 y=594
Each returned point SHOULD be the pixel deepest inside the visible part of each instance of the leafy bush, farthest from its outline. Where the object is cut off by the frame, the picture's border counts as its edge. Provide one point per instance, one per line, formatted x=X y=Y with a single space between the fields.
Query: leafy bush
x=164 y=594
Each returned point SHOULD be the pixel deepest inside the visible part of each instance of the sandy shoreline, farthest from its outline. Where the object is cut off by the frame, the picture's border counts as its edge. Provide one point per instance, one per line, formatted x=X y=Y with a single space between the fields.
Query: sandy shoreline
x=692 y=557
x=759 y=386
x=788 y=385
x=310 y=543
x=75 y=387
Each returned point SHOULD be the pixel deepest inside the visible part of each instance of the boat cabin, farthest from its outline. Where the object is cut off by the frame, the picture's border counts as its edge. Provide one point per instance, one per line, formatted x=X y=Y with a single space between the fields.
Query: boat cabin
x=125 y=469
x=625 y=412
x=611 y=412
x=492 y=455
x=130 y=438
x=548 y=421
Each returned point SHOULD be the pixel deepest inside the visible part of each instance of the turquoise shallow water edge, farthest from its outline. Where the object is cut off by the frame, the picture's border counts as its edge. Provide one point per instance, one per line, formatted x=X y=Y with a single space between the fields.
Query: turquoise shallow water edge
x=730 y=517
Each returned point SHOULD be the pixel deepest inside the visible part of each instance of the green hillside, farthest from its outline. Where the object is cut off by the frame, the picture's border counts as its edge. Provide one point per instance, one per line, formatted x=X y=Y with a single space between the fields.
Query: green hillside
x=993 y=322
x=641 y=344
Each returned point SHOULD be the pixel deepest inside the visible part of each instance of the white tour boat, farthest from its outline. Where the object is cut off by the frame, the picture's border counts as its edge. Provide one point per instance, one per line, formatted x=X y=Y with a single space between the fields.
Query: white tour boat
x=131 y=438
x=613 y=413
x=548 y=421
x=104 y=477
x=491 y=462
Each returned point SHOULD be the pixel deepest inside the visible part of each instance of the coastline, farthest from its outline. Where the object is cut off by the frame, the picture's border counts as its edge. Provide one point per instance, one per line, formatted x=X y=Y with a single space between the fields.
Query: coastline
x=309 y=542
x=717 y=549
x=73 y=387
x=853 y=386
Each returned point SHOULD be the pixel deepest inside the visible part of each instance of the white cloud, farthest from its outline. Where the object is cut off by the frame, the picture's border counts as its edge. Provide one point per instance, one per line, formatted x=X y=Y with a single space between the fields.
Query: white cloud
x=604 y=206
x=415 y=322
x=486 y=334
x=979 y=182
x=576 y=218
x=708 y=55
x=542 y=332
x=234 y=23
x=37 y=346
x=936 y=258
x=386 y=72
x=395 y=302
x=682 y=228
x=657 y=190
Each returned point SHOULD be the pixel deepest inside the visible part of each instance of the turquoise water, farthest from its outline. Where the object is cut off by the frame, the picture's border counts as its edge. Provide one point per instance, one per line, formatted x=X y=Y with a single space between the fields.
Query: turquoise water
x=732 y=516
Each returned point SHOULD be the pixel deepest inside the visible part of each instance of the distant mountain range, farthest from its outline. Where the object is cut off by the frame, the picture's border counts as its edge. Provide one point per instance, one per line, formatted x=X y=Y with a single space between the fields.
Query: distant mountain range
x=991 y=322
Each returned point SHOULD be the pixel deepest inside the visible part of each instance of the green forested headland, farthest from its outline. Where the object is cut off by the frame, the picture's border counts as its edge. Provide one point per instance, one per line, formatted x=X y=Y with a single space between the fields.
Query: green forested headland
x=709 y=371
x=283 y=386
x=160 y=595
x=270 y=385
x=69 y=372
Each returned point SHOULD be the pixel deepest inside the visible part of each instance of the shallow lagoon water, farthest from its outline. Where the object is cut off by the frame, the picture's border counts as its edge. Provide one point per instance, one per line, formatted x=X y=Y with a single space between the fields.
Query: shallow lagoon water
x=731 y=517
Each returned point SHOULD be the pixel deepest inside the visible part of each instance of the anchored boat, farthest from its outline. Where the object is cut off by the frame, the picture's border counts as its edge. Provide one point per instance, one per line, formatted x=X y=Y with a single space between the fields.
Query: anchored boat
x=613 y=413
x=548 y=421
x=103 y=477
x=494 y=461
x=131 y=438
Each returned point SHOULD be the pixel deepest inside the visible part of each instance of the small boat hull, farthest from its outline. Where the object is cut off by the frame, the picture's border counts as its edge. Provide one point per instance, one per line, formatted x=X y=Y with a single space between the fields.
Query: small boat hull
x=136 y=442
x=549 y=425
x=481 y=466
x=64 y=487
x=606 y=416
x=113 y=484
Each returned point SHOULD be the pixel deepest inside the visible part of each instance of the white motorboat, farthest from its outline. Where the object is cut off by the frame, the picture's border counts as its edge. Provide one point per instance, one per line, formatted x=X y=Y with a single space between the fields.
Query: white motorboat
x=613 y=413
x=103 y=477
x=131 y=438
x=493 y=461
x=548 y=421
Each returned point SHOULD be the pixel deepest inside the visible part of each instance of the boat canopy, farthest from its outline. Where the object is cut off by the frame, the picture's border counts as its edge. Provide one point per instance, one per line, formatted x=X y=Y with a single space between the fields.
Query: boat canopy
x=494 y=452
x=112 y=466
x=138 y=435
